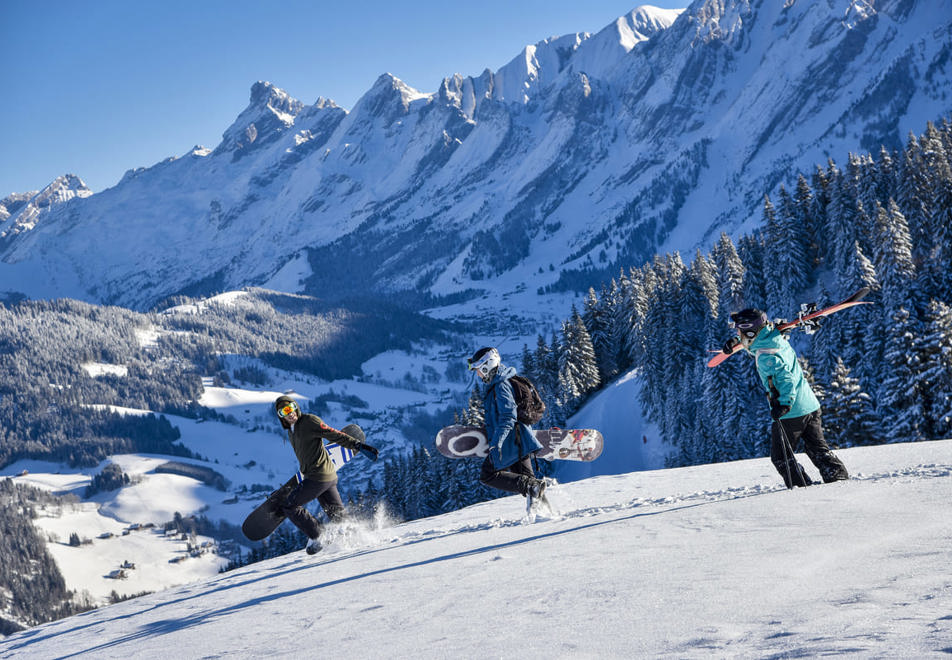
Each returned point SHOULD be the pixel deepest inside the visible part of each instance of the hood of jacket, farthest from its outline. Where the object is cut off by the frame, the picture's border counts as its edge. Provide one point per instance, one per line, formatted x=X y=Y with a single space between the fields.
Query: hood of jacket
x=502 y=373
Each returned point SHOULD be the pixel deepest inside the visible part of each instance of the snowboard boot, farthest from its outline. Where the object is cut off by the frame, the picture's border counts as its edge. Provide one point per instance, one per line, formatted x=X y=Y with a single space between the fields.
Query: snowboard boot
x=831 y=468
x=537 y=489
x=531 y=487
x=313 y=546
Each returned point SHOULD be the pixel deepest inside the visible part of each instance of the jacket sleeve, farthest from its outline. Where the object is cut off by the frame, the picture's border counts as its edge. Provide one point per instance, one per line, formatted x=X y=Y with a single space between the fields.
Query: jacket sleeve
x=505 y=403
x=775 y=371
x=333 y=435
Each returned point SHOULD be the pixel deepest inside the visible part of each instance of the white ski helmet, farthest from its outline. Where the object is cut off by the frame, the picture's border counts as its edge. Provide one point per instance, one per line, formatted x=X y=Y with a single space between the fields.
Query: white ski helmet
x=485 y=361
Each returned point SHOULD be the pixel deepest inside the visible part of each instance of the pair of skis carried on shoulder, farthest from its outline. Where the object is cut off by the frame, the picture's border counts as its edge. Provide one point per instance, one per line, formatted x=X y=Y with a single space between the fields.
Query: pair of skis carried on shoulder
x=806 y=318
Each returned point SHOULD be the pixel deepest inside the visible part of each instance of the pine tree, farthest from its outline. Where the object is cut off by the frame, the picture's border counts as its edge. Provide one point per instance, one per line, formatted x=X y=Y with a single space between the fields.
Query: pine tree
x=848 y=414
x=893 y=256
x=727 y=390
x=546 y=381
x=474 y=414
x=697 y=301
x=818 y=209
x=845 y=220
x=724 y=394
x=597 y=320
x=639 y=293
x=729 y=276
x=855 y=331
x=750 y=249
x=794 y=256
x=773 y=257
x=885 y=175
x=939 y=218
x=578 y=370
x=912 y=190
x=934 y=348
x=899 y=394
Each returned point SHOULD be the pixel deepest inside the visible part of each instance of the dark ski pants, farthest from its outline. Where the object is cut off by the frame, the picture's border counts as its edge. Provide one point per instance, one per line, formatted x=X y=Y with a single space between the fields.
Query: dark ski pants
x=785 y=436
x=511 y=479
x=327 y=495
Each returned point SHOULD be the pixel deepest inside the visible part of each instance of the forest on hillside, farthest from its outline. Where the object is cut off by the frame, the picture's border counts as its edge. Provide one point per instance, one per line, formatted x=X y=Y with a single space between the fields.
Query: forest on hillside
x=63 y=363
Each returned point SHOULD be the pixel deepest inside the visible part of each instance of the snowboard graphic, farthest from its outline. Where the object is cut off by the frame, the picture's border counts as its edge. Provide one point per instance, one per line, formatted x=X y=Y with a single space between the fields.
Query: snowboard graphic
x=557 y=444
x=805 y=318
x=268 y=516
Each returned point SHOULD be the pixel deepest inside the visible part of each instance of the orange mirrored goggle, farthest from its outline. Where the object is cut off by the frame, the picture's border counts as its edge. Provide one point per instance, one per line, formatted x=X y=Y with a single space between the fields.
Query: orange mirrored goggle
x=288 y=409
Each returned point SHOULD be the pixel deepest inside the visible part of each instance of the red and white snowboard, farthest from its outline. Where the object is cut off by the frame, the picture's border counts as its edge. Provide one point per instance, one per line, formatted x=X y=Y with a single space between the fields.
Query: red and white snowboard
x=557 y=444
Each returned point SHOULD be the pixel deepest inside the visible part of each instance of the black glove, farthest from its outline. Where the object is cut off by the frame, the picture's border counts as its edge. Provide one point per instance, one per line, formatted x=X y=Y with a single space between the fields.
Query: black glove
x=291 y=500
x=730 y=344
x=777 y=410
x=371 y=452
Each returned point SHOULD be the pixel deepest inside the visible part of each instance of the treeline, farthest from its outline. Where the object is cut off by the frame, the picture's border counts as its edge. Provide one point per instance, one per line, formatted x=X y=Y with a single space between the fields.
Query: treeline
x=295 y=332
x=63 y=362
x=32 y=589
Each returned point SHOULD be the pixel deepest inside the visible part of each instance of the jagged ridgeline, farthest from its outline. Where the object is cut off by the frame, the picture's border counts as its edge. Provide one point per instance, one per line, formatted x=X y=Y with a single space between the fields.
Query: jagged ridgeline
x=883 y=371
x=63 y=362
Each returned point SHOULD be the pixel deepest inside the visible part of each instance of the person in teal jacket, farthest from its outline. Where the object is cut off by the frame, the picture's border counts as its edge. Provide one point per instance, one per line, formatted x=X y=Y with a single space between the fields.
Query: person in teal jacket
x=511 y=443
x=793 y=405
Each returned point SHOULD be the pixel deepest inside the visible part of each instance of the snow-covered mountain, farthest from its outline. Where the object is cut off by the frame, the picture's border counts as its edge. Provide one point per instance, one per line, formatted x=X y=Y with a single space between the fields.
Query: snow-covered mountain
x=708 y=561
x=21 y=212
x=586 y=151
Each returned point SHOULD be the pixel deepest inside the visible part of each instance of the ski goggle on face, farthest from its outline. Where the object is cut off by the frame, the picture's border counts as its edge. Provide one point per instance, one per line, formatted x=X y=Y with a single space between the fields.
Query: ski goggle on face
x=747 y=328
x=288 y=409
x=482 y=366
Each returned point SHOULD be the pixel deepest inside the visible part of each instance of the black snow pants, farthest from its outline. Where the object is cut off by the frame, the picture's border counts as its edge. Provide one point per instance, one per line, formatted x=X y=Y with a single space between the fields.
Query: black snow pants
x=785 y=436
x=511 y=479
x=327 y=496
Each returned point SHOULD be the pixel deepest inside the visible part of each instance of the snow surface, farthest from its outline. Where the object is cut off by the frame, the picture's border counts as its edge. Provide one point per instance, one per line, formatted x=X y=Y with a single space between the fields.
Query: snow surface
x=707 y=561
x=96 y=369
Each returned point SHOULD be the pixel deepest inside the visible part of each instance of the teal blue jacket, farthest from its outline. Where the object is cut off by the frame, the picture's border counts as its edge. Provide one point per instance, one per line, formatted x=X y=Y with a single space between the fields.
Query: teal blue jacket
x=777 y=365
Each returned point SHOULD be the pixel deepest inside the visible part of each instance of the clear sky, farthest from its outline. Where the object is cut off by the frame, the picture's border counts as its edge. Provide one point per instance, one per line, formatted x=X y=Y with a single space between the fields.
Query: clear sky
x=96 y=88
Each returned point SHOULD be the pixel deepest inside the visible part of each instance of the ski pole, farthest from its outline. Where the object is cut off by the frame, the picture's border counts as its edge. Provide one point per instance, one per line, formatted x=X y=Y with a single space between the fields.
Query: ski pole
x=788 y=456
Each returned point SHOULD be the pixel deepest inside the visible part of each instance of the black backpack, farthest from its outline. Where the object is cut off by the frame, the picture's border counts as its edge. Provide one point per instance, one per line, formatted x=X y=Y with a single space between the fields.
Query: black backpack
x=529 y=405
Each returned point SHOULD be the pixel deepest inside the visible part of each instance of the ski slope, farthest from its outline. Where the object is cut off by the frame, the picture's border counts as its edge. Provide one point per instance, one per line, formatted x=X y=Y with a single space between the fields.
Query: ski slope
x=706 y=561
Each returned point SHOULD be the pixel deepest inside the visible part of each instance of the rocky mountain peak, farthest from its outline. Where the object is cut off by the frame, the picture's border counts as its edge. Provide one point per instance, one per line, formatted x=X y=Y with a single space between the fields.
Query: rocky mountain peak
x=270 y=111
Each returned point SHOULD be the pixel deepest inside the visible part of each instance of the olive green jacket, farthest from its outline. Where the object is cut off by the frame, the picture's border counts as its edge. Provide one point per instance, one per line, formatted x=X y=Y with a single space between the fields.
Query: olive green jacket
x=307 y=439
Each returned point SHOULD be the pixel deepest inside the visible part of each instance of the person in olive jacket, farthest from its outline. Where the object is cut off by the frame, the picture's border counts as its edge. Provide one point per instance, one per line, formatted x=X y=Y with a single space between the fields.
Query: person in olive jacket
x=317 y=476
x=793 y=405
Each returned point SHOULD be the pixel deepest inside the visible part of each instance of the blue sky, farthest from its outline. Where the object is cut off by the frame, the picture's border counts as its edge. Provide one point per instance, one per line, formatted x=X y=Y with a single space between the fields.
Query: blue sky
x=96 y=88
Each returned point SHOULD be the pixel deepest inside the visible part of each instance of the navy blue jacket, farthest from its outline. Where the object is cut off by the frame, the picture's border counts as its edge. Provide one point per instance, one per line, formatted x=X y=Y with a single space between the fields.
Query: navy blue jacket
x=509 y=439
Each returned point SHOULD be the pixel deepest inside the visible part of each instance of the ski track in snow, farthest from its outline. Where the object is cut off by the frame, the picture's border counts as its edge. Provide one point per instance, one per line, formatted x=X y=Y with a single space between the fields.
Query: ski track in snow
x=354 y=539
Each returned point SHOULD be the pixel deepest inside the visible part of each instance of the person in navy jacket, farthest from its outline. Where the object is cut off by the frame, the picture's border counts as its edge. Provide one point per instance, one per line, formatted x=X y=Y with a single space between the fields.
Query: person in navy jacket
x=511 y=443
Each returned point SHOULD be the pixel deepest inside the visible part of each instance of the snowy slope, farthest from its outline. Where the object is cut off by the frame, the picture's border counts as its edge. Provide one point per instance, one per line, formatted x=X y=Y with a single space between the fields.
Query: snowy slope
x=585 y=151
x=708 y=561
